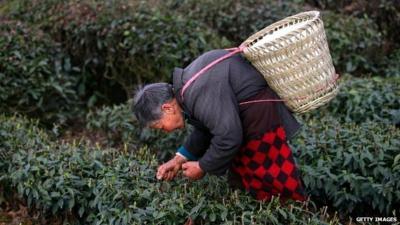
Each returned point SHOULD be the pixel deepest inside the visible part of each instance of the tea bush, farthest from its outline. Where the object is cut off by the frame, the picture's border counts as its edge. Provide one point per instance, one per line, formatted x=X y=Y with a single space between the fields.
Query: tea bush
x=86 y=185
x=121 y=127
x=19 y=134
x=353 y=167
x=385 y=13
x=131 y=53
x=59 y=57
x=360 y=118
x=233 y=19
x=355 y=43
x=364 y=99
x=116 y=121
x=127 y=42
x=391 y=65
x=35 y=77
x=359 y=100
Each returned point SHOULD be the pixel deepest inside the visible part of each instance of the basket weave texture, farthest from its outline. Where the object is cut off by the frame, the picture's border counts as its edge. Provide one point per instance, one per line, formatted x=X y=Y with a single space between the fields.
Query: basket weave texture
x=296 y=63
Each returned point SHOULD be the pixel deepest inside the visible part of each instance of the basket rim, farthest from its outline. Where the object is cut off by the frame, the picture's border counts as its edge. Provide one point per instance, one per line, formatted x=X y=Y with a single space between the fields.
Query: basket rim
x=310 y=16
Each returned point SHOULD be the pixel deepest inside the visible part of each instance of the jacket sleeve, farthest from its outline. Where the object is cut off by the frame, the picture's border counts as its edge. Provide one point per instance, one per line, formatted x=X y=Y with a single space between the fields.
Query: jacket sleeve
x=218 y=110
x=195 y=144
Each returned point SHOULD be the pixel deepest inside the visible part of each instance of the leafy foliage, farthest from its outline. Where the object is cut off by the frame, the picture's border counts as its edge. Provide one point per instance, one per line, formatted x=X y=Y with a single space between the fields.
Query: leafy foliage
x=35 y=77
x=234 y=19
x=92 y=53
x=391 y=65
x=126 y=42
x=121 y=127
x=361 y=130
x=19 y=134
x=98 y=186
x=349 y=148
x=117 y=122
x=355 y=43
x=59 y=58
x=364 y=99
x=354 y=167
x=385 y=13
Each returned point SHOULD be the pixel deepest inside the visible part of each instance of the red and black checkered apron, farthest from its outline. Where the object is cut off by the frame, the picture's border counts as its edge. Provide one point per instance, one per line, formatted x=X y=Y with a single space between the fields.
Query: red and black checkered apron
x=266 y=167
x=265 y=164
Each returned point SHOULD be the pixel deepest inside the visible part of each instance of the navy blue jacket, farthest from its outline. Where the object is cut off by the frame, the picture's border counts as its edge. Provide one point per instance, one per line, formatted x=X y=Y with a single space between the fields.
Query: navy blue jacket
x=211 y=105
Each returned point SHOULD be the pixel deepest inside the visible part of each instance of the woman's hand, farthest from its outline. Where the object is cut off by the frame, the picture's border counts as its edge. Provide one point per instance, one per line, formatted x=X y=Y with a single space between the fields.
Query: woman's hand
x=168 y=170
x=192 y=170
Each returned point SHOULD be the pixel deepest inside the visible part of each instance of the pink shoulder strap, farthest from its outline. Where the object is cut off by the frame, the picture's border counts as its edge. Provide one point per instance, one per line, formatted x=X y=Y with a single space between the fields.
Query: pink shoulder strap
x=232 y=52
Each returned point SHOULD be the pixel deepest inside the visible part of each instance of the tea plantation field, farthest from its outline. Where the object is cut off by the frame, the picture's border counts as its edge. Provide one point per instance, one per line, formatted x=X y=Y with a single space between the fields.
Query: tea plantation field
x=71 y=151
x=351 y=167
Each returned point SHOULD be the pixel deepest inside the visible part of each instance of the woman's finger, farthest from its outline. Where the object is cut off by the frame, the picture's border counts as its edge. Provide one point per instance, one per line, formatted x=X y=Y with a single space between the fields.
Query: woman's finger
x=170 y=175
x=161 y=172
x=167 y=176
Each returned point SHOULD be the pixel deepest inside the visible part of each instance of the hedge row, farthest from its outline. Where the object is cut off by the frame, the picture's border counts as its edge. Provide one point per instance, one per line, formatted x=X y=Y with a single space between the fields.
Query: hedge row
x=120 y=127
x=92 y=53
x=233 y=19
x=355 y=42
x=128 y=42
x=353 y=167
x=392 y=68
x=36 y=78
x=364 y=99
x=349 y=149
x=359 y=100
x=81 y=184
x=346 y=149
x=385 y=13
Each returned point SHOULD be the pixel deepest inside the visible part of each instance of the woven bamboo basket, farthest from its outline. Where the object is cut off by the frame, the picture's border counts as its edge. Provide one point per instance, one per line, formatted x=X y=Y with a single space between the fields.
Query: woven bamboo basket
x=293 y=56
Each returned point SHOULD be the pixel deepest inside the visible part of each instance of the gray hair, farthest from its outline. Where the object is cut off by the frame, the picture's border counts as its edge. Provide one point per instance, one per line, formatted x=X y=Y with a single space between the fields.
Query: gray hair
x=148 y=100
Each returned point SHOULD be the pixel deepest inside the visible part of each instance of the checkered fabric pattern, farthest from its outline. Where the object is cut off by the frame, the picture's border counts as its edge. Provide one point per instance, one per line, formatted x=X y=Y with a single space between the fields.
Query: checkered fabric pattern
x=266 y=167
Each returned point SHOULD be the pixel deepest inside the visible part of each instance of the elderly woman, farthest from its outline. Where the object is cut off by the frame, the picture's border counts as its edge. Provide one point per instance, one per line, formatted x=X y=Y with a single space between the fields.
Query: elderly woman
x=233 y=132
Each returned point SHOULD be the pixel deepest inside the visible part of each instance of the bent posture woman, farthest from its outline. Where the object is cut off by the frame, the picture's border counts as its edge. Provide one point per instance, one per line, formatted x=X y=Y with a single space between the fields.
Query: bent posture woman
x=233 y=132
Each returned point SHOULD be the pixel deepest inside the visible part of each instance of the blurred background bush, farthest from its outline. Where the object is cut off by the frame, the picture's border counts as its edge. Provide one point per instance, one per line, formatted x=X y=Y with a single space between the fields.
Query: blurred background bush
x=103 y=49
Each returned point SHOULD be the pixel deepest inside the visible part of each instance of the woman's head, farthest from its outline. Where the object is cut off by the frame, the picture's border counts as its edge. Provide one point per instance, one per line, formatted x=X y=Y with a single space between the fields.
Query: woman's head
x=155 y=106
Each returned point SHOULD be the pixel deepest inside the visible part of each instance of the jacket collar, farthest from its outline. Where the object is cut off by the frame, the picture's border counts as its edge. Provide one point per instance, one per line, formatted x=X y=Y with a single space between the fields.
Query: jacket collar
x=177 y=83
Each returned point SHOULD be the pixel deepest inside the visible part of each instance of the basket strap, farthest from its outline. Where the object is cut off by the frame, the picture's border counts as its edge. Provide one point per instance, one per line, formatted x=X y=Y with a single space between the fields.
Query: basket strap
x=296 y=98
x=232 y=52
x=261 y=100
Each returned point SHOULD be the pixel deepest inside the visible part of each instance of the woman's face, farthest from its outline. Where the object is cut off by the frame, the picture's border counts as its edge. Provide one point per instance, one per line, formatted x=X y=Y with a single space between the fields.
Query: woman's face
x=171 y=118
